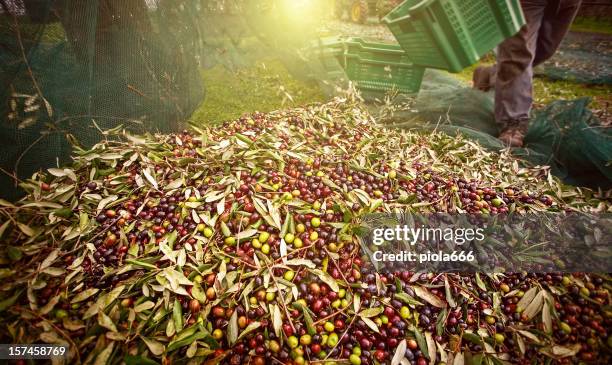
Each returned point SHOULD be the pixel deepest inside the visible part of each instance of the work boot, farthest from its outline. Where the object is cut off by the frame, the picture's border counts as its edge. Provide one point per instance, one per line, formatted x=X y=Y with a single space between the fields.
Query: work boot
x=512 y=137
x=483 y=78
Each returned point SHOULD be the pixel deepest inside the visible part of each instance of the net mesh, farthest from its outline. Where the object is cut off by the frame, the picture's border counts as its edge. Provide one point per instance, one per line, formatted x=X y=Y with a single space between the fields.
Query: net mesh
x=71 y=69
x=564 y=135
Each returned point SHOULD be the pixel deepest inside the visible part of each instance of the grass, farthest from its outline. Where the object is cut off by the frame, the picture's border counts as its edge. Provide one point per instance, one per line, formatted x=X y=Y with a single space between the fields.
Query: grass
x=591 y=24
x=269 y=86
x=263 y=87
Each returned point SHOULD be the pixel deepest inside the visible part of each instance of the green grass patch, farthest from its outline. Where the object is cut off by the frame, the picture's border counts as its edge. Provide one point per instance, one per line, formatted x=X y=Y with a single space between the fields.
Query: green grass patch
x=591 y=24
x=546 y=91
x=264 y=87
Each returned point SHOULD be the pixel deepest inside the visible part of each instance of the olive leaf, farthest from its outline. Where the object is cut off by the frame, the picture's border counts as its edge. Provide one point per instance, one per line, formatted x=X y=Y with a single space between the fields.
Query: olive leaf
x=103 y=301
x=404 y=297
x=441 y=322
x=356 y=302
x=232 y=328
x=400 y=353
x=50 y=305
x=106 y=322
x=460 y=359
x=547 y=317
x=370 y=324
x=310 y=328
x=527 y=298
x=150 y=178
x=283 y=250
x=104 y=202
x=175 y=184
x=430 y=298
x=521 y=343
x=327 y=279
x=250 y=328
x=529 y=335
x=422 y=342
x=103 y=356
x=301 y=262
x=535 y=306
x=170 y=329
x=560 y=352
x=370 y=312
x=480 y=283
x=144 y=306
x=156 y=347
x=431 y=348
x=6 y=303
x=277 y=319
x=50 y=259
x=84 y=295
x=177 y=315
x=449 y=296
x=191 y=350
x=198 y=293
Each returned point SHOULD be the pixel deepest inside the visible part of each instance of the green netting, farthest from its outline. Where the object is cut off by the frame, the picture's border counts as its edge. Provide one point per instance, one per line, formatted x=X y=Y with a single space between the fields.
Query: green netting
x=70 y=68
x=87 y=66
x=564 y=134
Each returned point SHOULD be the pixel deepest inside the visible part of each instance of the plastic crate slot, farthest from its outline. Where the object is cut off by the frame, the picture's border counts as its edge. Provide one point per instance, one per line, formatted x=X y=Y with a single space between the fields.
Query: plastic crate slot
x=453 y=34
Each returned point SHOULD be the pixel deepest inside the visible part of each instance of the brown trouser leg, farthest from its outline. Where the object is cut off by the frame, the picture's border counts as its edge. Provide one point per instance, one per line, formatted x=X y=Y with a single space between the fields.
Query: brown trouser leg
x=547 y=23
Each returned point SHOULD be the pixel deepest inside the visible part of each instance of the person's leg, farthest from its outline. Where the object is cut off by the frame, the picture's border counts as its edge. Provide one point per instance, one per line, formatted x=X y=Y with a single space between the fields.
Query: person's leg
x=555 y=26
x=513 y=85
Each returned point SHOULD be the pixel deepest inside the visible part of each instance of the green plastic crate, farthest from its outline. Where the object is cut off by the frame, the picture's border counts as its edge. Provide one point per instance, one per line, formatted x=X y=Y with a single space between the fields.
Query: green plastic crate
x=453 y=34
x=329 y=52
x=380 y=67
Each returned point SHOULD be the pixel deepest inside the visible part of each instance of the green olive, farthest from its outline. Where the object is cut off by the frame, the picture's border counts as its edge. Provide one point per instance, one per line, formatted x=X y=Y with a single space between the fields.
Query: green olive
x=293 y=342
x=263 y=237
x=289 y=275
x=297 y=243
x=332 y=340
x=265 y=248
x=306 y=340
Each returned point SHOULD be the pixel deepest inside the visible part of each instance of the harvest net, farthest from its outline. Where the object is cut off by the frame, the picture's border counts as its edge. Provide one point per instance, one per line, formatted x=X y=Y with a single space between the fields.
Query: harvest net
x=564 y=135
x=71 y=69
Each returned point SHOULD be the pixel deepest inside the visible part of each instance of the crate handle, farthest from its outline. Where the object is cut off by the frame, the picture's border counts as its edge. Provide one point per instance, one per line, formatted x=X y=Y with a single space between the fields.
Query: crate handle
x=383 y=63
x=416 y=7
x=373 y=49
x=421 y=4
